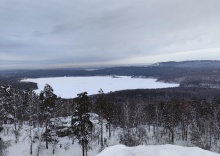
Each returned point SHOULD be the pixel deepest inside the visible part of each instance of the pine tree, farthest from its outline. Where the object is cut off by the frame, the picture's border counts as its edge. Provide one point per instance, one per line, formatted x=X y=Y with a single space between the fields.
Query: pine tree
x=100 y=107
x=48 y=100
x=11 y=104
x=81 y=124
x=29 y=94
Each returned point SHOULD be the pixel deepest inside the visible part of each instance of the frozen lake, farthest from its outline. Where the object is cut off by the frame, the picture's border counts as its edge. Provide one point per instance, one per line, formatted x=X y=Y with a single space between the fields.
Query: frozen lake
x=69 y=87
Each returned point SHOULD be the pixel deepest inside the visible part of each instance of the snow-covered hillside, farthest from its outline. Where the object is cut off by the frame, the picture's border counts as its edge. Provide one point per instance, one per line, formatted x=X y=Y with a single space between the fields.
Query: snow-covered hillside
x=155 y=150
x=65 y=146
x=22 y=148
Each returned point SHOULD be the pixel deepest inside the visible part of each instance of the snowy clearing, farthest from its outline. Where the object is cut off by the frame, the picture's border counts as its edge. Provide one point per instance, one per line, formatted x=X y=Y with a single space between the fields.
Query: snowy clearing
x=69 y=87
x=155 y=150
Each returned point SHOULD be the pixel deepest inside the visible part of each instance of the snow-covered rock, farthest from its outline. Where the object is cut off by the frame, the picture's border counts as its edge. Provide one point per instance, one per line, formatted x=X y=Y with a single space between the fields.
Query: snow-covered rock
x=155 y=150
x=63 y=126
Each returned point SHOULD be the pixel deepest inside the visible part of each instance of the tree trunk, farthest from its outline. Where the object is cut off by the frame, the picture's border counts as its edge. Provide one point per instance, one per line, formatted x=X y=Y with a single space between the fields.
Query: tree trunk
x=83 y=148
x=102 y=133
x=46 y=135
x=109 y=130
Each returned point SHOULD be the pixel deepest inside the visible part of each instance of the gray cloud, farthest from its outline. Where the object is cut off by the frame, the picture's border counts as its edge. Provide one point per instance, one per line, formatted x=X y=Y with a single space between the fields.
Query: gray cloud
x=101 y=32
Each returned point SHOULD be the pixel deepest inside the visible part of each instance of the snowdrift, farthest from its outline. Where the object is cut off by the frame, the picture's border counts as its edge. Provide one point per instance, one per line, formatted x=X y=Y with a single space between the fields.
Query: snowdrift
x=155 y=150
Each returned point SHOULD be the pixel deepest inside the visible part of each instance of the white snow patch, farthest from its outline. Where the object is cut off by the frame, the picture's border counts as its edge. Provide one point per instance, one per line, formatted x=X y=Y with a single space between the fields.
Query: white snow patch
x=155 y=150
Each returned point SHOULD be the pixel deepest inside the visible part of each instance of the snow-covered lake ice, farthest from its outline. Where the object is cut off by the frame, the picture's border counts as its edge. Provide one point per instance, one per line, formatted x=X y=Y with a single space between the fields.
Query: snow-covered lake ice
x=69 y=87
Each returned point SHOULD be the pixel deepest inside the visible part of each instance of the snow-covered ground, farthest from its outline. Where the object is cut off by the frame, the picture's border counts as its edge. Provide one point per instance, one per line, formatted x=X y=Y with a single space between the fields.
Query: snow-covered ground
x=22 y=146
x=155 y=150
x=64 y=147
x=69 y=87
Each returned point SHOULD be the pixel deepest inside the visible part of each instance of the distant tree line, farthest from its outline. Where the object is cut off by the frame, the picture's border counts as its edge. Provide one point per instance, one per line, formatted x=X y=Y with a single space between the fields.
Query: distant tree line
x=204 y=74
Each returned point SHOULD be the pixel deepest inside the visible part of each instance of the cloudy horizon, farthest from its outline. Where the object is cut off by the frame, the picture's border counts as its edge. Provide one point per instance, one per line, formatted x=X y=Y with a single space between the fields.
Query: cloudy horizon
x=71 y=33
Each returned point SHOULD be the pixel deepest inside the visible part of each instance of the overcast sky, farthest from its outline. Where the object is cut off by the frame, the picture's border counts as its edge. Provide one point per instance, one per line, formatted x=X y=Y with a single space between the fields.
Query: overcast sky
x=74 y=33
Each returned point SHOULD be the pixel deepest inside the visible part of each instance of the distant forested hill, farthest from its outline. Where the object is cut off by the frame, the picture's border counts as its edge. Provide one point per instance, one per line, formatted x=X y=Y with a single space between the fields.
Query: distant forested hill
x=188 y=73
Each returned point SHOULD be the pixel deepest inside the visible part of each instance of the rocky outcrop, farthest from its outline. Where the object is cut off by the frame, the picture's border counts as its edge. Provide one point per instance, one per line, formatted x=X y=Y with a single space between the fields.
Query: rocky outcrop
x=61 y=126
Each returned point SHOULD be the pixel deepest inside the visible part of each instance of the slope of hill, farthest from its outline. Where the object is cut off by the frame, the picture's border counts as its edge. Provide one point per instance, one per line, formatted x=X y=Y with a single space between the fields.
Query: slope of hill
x=192 y=64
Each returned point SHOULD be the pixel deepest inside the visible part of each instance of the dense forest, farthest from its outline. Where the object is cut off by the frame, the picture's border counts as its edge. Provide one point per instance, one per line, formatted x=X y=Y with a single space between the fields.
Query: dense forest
x=190 y=115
